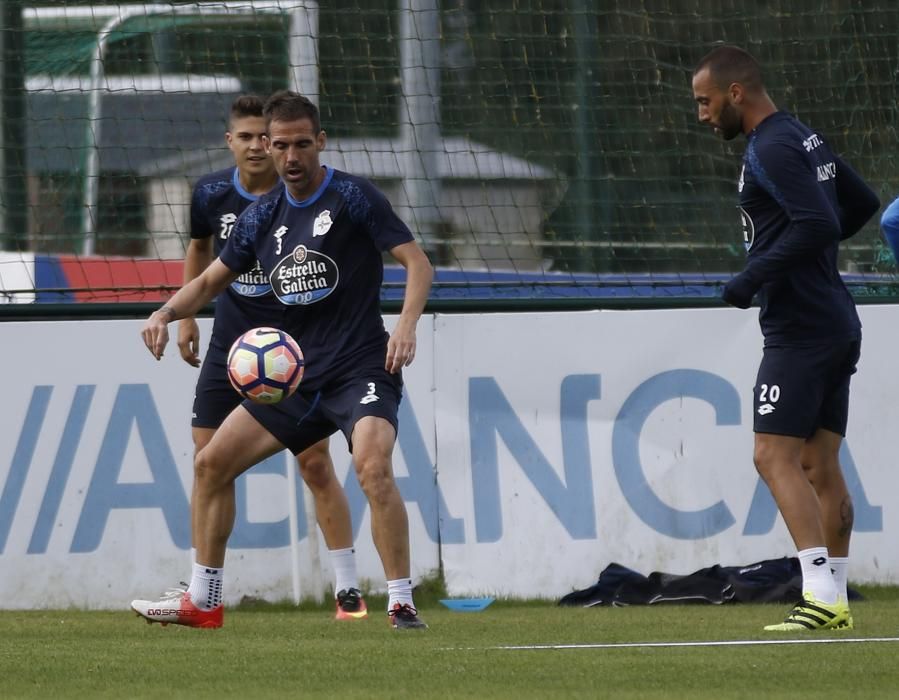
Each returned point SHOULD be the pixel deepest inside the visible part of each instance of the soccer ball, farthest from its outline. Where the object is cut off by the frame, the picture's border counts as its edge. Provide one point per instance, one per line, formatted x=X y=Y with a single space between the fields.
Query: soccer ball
x=265 y=365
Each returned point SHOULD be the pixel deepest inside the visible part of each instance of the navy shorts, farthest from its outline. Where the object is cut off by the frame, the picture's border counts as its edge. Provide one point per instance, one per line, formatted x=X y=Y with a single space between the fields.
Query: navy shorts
x=214 y=397
x=800 y=389
x=307 y=417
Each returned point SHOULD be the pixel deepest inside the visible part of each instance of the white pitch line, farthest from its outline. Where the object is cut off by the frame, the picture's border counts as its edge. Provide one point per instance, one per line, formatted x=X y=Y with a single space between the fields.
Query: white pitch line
x=725 y=643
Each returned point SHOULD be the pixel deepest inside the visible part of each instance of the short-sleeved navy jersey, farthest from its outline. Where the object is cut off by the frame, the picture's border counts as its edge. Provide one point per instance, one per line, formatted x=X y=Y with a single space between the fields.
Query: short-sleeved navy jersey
x=323 y=257
x=797 y=201
x=218 y=200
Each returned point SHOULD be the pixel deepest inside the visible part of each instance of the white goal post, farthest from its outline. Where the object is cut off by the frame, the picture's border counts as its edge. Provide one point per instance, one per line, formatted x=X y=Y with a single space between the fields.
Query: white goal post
x=302 y=47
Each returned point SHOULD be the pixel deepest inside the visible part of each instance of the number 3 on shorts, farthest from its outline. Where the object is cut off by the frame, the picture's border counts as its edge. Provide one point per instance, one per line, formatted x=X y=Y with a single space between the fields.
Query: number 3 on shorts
x=371 y=395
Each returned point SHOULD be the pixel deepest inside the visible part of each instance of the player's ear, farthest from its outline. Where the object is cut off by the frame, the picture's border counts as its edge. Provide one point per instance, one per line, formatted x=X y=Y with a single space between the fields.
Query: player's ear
x=737 y=92
x=267 y=144
x=321 y=140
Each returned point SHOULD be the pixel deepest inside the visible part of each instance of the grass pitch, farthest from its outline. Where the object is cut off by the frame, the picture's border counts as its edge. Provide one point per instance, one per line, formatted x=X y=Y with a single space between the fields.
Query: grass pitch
x=281 y=651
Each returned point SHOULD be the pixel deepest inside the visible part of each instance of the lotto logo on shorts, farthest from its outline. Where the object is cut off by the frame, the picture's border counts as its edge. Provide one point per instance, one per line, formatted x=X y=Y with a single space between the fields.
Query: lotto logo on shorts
x=370 y=396
x=765 y=409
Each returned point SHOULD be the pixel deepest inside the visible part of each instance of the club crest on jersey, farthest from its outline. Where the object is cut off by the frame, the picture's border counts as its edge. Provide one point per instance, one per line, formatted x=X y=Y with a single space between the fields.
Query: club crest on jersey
x=748 y=228
x=304 y=277
x=322 y=223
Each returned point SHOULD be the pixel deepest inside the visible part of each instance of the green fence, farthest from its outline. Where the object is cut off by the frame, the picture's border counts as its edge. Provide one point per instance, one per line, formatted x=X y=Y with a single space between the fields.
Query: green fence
x=567 y=127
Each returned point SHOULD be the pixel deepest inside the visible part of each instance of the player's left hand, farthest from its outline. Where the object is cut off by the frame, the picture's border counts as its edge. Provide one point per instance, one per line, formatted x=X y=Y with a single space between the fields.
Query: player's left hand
x=400 y=347
x=189 y=341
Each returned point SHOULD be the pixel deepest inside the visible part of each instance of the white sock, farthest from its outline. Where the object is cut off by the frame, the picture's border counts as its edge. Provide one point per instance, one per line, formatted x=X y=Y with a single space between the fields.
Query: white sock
x=399 y=591
x=816 y=576
x=840 y=568
x=193 y=555
x=344 y=563
x=206 y=586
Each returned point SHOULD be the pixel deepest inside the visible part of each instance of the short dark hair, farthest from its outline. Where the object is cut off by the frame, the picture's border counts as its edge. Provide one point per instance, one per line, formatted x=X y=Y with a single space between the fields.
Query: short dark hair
x=246 y=106
x=731 y=64
x=287 y=106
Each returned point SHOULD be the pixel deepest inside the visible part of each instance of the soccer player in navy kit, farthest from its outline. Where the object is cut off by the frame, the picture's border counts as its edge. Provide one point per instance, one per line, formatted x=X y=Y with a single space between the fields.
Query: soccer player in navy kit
x=320 y=240
x=798 y=200
x=218 y=199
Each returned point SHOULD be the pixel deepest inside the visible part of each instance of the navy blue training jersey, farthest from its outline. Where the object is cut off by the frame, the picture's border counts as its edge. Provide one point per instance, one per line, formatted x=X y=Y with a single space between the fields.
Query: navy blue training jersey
x=797 y=201
x=323 y=257
x=218 y=200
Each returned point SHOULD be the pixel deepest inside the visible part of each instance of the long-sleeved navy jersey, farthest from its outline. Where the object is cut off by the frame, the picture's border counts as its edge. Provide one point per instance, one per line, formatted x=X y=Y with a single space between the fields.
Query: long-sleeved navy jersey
x=798 y=200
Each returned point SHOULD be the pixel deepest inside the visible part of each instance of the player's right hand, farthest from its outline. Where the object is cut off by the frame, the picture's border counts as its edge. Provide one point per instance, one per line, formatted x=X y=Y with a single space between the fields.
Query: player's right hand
x=156 y=332
x=189 y=341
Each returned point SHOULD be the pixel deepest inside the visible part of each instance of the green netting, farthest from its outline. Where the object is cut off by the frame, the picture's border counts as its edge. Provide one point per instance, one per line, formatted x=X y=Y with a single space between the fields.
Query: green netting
x=68 y=50
x=593 y=97
x=59 y=52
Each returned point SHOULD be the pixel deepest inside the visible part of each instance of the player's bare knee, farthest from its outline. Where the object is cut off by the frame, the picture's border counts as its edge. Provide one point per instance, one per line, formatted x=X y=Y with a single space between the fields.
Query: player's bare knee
x=206 y=471
x=762 y=457
x=811 y=468
x=316 y=472
x=375 y=479
x=201 y=465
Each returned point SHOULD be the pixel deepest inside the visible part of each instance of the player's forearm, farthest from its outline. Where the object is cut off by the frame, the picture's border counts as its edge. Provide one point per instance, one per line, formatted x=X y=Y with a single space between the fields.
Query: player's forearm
x=804 y=240
x=194 y=295
x=197 y=259
x=187 y=301
x=194 y=264
x=858 y=202
x=800 y=244
x=419 y=276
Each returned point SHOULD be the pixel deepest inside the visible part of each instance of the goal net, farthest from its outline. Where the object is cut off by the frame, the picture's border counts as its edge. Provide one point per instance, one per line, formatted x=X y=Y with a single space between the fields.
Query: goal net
x=537 y=148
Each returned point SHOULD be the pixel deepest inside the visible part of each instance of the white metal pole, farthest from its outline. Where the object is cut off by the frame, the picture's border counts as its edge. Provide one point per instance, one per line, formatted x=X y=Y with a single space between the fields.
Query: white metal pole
x=304 y=40
x=316 y=578
x=304 y=78
x=419 y=44
x=293 y=520
x=92 y=161
x=303 y=51
x=316 y=585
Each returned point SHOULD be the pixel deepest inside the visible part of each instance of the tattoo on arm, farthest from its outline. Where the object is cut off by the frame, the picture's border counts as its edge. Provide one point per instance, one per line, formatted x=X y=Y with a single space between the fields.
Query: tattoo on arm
x=168 y=311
